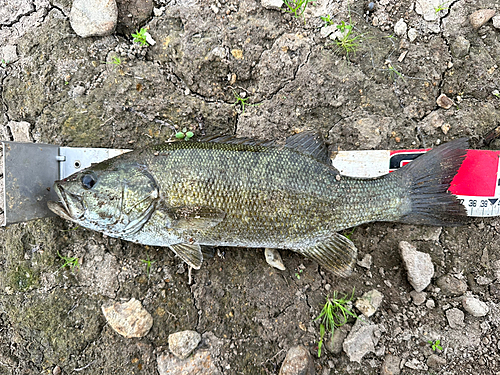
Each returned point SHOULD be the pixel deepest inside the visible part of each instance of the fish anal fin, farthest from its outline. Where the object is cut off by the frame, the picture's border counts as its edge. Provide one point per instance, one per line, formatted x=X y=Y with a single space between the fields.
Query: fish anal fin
x=194 y=217
x=336 y=253
x=189 y=253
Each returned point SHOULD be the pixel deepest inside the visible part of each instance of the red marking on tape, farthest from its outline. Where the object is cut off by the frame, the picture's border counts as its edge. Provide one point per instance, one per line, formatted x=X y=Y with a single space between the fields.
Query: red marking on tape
x=478 y=174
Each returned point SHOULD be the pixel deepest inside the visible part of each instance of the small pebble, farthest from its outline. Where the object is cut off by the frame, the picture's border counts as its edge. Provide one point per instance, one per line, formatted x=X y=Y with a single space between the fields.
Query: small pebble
x=435 y=362
x=366 y=262
x=451 y=286
x=480 y=17
x=298 y=361
x=474 y=306
x=418 y=265
x=390 y=366
x=334 y=345
x=200 y=363
x=400 y=28
x=181 y=344
x=418 y=297
x=273 y=258
x=412 y=34
x=129 y=319
x=430 y=304
x=455 y=318
x=496 y=21
x=369 y=302
x=93 y=17
x=272 y=4
x=444 y=102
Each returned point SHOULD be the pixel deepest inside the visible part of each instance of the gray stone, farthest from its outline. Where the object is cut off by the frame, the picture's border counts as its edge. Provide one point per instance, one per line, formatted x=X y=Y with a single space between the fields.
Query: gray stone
x=418 y=297
x=366 y=262
x=480 y=17
x=20 y=131
x=200 y=363
x=12 y=10
x=427 y=9
x=474 y=306
x=361 y=340
x=435 y=362
x=390 y=366
x=400 y=27
x=8 y=54
x=460 y=47
x=369 y=302
x=327 y=30
x=272 y=4
x=129 y=319
x=412 y=34
x=93 y=17
x=451 y=286
x=444 y=102
x=455 y=318
x=181 y=344
x=334 y=344
x=298 y=361
x=496 y=21
x=418 y=265
x=273 y=258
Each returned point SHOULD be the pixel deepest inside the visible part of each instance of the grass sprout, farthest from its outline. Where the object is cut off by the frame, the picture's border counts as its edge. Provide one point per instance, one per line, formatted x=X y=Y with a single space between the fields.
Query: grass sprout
x=298 y=7
x=435 y=345
x=148 y=264
x=334 y=314
x=242 y=102
x=71 y=262
x=140 y=37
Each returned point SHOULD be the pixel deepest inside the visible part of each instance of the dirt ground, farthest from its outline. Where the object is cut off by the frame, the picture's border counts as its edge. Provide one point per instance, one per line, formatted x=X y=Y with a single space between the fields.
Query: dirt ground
x=381 y=95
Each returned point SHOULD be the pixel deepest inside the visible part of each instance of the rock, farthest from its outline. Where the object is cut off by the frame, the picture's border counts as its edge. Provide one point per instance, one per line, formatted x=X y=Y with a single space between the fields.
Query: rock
x=460 y=47
x=451 y=286
x=412 y=34
x=132 y=14
x=200 y=363
x=480 y=17
x=93 y=17
x=20 y=131
x=272 y=4
x=430 y=304
x=474 y=306
x=418 y=297
x=366 y=262
x=427 y=9
x=444 y=102
x=369 y=302
x=400 y=27
x=390 y=366
x=483 y=280
x=418 y=265
x=361 y=340
x=298 y=361
x=334 y=344
x=8 y=54
x=129 y=319
x=435 y=362
x=327 y=30
x=181 y=344
x=496 y=21
x=455 y=318
x=273 y=258
x=415 y=364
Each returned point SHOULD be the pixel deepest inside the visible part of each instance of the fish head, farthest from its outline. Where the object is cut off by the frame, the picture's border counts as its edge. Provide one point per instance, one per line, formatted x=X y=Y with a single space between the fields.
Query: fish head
x=113 y=198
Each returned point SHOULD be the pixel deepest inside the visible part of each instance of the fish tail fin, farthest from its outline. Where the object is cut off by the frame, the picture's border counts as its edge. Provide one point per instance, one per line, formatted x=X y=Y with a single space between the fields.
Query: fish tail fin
x=427 y=180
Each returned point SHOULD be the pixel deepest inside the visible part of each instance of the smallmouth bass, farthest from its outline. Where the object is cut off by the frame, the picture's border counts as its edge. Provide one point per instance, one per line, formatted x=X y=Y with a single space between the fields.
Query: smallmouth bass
x=225 y=191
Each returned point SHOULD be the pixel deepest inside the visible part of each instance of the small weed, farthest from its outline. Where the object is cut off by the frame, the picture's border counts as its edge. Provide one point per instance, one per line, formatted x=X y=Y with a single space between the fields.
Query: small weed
x=184 y=134
x=435 y=345
x=348 y=42
x=441 y=7
x=71 y=262
x=496 y=93
x=242 y=102
x=148 y=263
x=349 y=234
x=327 y=20
x=298 y=273
x=4 y=62
x=334 y=314
x=298 y=7
x=116 y=60
x=140 y=37
x=393 y=72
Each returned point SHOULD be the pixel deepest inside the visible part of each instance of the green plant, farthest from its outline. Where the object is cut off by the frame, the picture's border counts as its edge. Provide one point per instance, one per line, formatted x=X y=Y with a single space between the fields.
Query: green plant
x=327 y=20
x=334 y=314
x=242 y=102
x=393 y=72
x=71 y=262
x=140 y=37
x=184 y=134
x=348 y=41
x=298 y=273
x=435 y=345
x=441 y=7
x=298 y=7
x=116 y=60
x=496 y=93
x=148 y=263
x=349 y=234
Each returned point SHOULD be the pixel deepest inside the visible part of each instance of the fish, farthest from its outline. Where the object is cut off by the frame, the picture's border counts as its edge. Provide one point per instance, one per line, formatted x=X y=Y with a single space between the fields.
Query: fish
x=240 y=192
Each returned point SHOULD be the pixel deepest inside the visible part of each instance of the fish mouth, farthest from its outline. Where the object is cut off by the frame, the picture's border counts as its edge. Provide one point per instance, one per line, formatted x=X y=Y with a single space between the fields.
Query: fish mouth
x=62 y=208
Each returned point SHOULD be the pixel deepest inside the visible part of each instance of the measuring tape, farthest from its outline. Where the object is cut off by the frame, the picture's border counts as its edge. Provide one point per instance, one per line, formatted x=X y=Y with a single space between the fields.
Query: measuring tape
x=476 y=184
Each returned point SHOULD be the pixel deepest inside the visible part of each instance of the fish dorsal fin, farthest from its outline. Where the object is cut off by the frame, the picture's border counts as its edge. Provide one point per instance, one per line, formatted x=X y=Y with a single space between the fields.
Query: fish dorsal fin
x=189 y=253
x=194 y=217
x=310 y=143
x=336 y=253
x=234 y=140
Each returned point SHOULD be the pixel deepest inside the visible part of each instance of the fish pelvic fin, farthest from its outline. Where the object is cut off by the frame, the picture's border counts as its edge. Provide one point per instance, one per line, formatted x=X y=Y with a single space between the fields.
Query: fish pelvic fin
x=336 y=253
x=189 y=253
x=427 y=180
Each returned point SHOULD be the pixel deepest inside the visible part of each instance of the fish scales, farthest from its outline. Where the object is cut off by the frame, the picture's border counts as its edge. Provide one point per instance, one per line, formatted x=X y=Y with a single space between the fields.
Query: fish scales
x=230 y=192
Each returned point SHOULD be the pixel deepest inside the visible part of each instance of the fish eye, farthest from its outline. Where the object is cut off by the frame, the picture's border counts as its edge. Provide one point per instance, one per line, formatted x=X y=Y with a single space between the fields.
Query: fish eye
x=88 y=181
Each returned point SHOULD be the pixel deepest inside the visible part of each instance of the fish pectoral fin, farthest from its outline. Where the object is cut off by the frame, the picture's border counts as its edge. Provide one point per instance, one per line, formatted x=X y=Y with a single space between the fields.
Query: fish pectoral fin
x=195 y=217
x=336 y=253
x=189 y=253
